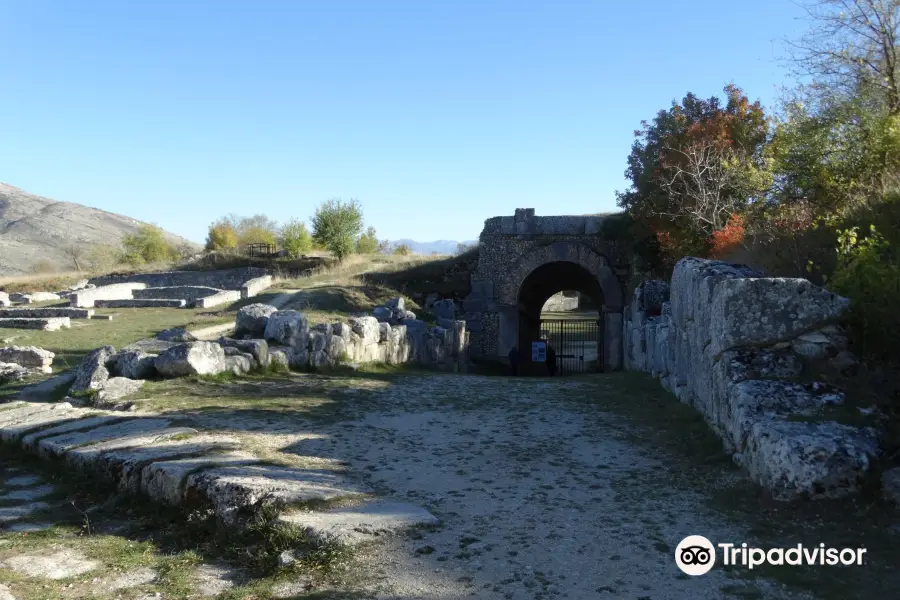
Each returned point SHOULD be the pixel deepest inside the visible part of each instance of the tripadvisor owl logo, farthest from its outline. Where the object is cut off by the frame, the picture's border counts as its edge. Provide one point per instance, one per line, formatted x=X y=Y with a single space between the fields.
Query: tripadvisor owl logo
x=695 y=555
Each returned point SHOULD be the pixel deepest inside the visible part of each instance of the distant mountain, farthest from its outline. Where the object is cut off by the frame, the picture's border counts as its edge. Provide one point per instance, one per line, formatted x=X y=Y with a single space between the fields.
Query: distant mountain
x=439 y=246
x=34 y=228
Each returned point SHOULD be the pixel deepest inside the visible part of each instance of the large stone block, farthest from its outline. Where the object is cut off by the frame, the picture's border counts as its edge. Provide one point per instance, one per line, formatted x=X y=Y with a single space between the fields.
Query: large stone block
x=367 y=329
x=224 y=297
x=195 y=358
x=258 y=349
x=288 y=328
x=764 y=311
x=44 y=324
x=253 y=318
x=93 y=372
x=30 y=357
x=256 y=285
x=135 y=364
x=119 y=291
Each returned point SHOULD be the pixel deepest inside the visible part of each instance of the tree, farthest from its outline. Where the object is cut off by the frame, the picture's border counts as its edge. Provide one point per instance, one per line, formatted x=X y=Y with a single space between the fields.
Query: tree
x=147 y=245
x=77 y=253
x=694 y=166
x=222 y=235
x=367 y=242
x=852 y=44
x=296 y=239
x=402 y=250
x=258 y=229
x=462 y=247
x=336 y=225
x=102 y=258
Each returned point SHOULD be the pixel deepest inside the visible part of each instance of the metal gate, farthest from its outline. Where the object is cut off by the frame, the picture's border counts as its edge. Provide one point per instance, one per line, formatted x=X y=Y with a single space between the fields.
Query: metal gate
x=577 y=343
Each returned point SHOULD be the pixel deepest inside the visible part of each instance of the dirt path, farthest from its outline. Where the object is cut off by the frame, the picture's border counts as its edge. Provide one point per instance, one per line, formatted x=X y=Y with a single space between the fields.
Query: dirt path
x=575 y=488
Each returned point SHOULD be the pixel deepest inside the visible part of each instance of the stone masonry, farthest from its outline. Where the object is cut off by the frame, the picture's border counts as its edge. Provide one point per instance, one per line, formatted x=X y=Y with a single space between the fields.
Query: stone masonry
x=513 y=249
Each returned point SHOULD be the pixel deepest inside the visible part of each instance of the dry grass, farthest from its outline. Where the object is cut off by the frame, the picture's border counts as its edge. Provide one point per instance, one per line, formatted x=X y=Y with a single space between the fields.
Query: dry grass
x=52 y=282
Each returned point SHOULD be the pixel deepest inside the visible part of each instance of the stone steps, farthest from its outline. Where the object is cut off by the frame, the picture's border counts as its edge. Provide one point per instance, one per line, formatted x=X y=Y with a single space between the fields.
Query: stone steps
x=43 y=313
x=178 y=465
x=45 y=324
x=142 y=303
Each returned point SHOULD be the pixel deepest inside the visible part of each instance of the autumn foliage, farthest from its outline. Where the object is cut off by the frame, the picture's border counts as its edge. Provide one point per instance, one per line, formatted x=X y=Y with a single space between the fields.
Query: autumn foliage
x=727 y=238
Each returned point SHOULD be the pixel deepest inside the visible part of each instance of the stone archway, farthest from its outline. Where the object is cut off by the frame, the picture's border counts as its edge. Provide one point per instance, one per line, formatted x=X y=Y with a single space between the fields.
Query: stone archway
x=551 y=268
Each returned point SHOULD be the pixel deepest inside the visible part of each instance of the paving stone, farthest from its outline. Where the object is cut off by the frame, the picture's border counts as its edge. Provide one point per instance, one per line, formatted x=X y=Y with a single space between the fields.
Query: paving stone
x=45 y=389
x=20 y=511
x=31 y=439
x=212 y=580
x=59 y=413
x=234 y=490
x=5 y=594
x=32 y=493
x=22 y=413
x=133 y=578
x=165 y=481
x=60 y=444
x=29 y=527
x=353 y=525
x=61 y=564
x=22 y=481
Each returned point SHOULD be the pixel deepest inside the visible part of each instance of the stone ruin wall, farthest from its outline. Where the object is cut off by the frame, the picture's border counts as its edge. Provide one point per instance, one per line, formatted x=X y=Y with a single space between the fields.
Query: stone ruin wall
x=739 y=347
x=502 y=244
x=223 y=279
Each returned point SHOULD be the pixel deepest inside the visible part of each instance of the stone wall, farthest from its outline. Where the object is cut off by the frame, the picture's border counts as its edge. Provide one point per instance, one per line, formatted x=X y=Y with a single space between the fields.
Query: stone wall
x=736 y=346
x=116 y=291
x=510 y=248
x=223 y=279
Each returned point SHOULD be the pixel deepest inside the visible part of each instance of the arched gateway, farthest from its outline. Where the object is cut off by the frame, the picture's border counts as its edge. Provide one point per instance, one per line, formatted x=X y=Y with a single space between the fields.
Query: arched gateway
x=522 y=261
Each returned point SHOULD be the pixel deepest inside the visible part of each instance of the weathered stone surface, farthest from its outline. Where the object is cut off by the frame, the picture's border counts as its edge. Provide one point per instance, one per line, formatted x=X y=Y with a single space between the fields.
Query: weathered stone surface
x=194 y=358
x=890 y=485
x=281 y=357
x=365 y=522
x=444 y=309
x=384 y=332
x=20 y=511
x=93 y=371
x=383 y=314
x=253 y=318
x=730 y=342
x=30 y=440
x=135 y=364
x=145 y=303
x=48 y=388
x=398 y=303
x=259 y=349
x=117 y=388
x=164 y=481
x=41 y=297
x=44 y=323
x=814 y=460
x=61 y=564
x=58 y=413
x=234 y=491
x=761 y=312
x=121 y=291
x=366 y=328
x=239 y=364
x=4 y=299
x=46 y=312
x=316 y=341
x=189 y=293
x=59 y=445
x=224 y=297
x=288 y=328
x=256 y=285
x=10 y=373
x=30 y=357
x=150 y=346
x=176 y=334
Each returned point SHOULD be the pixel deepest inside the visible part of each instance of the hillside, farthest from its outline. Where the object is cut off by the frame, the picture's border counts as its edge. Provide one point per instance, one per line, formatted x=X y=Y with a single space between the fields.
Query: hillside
x=34 y=228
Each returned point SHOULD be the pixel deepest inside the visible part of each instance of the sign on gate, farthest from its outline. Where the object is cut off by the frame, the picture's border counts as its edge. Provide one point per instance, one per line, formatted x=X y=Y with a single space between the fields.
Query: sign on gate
x=577 y=343
x=538 y=351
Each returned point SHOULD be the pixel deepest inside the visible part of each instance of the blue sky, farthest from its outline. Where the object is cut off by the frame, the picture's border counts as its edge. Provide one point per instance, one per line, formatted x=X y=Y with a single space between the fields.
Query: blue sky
x=435 y=115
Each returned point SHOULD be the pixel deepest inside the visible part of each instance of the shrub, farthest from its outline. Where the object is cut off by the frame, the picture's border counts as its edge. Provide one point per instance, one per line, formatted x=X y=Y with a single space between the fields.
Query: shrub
x=222 y=236
x=868 y=272
x=147 y=245
x=367 y=242
x=402 y=250
x=336 y=225
x=296 y=239
x=724 y=240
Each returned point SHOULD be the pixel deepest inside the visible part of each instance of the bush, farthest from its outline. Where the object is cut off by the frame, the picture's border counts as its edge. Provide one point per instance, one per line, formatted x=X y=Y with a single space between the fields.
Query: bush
x=147 y=245
x=336 y=225
x=222 y=236
x=102 y=258
x=868 y=272
x=367 y=242
x=296 y=239
x=402 y=250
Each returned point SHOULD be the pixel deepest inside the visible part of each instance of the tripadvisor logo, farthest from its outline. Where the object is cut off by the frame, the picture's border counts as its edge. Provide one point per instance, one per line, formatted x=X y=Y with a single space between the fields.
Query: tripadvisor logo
x=696 y=555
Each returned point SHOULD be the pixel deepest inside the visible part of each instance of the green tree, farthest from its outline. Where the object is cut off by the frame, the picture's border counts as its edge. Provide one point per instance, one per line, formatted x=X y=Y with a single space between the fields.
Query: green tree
x=147 y=245
x=296 y=239
x=336 y=225
x=367 y=242
x=222 y=236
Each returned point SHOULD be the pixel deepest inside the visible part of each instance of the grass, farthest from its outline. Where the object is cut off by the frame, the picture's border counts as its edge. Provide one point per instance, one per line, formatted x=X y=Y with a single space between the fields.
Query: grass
x=124 y=533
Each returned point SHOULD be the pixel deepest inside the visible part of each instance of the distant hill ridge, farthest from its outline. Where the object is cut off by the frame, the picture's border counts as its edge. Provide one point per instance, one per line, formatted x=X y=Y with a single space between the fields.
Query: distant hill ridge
x=439 y=246
x=36 y=229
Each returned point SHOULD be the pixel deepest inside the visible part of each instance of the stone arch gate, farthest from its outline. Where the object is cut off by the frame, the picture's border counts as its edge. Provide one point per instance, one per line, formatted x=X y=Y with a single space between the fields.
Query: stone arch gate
x=525 y=259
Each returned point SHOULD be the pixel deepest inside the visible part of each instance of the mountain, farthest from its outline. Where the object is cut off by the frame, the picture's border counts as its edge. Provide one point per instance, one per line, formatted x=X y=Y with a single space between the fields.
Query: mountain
x=438 y=246
x=34 y=228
